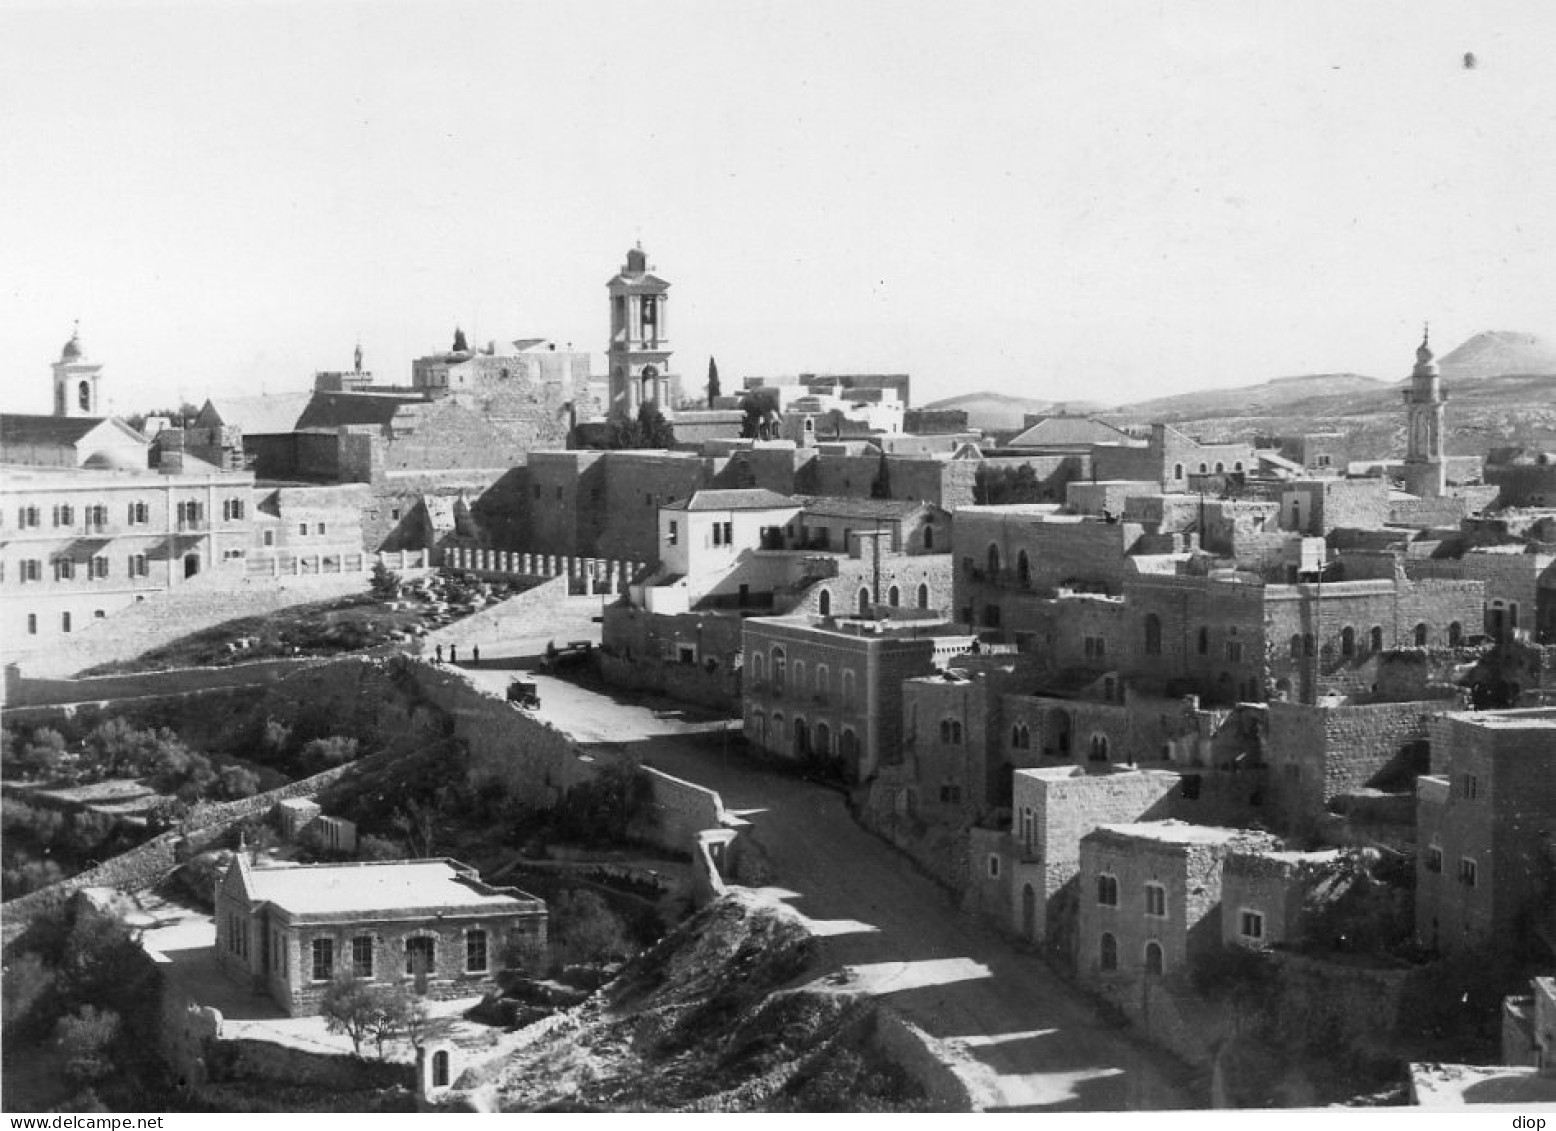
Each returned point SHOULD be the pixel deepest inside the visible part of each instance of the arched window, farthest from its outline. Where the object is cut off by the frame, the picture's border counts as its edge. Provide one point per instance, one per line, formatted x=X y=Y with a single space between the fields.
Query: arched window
x=864 y=601
x=1153 y=958
x=951 y=732
x=440 y=1069
x=777 y=731
x=1347 y=641
x=993 y=561
x=894 y=597
x=1220 y=468
x=823 y=679
x=1107 y=890
x=1023 y=568
x=1153 y=634
x=1238 y=466
x=84 y=396
x=1204 y=469
x=1099 y=748
x=824 y=602
x=758 y=667
x=923 y=596
x=801 y=736
x=799 y=675
x=778 y=669
x=1177 y=471
x=1421 y=635
x=929 y=537
x=823 y=739
x=1375 y=638
x=1203 y=643
x=1059 y=726
x=1107 y=956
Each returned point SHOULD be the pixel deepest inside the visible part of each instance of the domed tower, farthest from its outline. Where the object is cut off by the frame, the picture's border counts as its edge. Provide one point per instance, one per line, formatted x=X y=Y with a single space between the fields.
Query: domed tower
x=1425 y=471
x=639 y=352
x=75 y=380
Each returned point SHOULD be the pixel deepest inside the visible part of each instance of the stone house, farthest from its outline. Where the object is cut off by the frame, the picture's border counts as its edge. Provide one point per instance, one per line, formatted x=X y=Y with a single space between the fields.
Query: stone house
x=1263 y=893
x=432 y=925
x=1486 y=825
x=1150 y=897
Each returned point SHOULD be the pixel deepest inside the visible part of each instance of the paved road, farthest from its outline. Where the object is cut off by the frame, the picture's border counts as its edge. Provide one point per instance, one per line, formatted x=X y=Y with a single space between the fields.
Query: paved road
x=1021 y=1036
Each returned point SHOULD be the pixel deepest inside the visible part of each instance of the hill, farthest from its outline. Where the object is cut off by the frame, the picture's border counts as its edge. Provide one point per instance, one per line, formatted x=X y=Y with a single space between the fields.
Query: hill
x=1273 y=395
x=724 y=1014
x=1000 y=412
x=1497 y=353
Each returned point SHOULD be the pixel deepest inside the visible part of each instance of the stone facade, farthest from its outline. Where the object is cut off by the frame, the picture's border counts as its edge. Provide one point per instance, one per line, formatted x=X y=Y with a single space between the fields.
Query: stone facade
x=1263 y=893
x=1486 y=825
x=1150 y=897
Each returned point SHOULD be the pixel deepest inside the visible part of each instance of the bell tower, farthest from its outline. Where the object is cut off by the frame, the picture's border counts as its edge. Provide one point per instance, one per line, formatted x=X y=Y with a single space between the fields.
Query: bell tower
x=1425 y=471
x=639 y=352
x=75 y=380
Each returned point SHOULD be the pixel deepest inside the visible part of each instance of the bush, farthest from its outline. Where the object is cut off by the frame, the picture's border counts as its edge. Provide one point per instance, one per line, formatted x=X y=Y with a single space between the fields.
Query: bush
x=384 y=584
x=585 y=930
x=84 y=1038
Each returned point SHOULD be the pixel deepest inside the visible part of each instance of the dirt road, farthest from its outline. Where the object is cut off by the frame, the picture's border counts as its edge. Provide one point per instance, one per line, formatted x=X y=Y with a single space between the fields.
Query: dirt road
x=1020 y=1036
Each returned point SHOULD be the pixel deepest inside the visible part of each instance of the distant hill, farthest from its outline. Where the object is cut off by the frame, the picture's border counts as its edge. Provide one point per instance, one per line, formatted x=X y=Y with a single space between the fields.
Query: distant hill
x=995 y=412
x=1498 y=353
x=1275 y=395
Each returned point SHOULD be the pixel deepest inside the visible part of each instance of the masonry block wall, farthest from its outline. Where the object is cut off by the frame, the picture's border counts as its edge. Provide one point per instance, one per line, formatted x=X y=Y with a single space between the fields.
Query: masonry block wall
x=948 y=729
x=919 y=581
x=1530 y=484
x=1197 y=635
x=637 y=484
x=1317 y=752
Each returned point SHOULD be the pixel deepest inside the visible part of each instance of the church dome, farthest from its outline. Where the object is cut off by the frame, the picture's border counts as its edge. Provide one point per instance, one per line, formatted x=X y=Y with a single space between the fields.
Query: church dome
x=72 y=350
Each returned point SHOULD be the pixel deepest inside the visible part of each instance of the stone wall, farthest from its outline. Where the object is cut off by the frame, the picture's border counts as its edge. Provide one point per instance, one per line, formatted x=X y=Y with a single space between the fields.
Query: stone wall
x=248 y=1059
x=919 y=1055
x=27 y=691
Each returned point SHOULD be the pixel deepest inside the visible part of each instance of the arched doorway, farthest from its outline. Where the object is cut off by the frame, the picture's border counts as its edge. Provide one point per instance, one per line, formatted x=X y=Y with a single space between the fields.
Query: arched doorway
x=923 y=596
x=1058 y=733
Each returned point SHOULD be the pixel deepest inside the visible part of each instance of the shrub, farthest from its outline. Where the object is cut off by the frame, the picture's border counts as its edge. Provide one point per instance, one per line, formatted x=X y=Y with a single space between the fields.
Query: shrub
x=84 y=1038
x=584 y=929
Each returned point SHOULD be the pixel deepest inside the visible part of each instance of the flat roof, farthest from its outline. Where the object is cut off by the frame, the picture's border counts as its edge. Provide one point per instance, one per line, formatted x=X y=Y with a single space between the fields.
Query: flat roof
x=376 y=886
x=1180 y=832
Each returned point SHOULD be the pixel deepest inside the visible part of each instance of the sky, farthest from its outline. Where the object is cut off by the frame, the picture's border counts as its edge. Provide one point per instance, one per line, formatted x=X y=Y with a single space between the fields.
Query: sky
x=1075 y=199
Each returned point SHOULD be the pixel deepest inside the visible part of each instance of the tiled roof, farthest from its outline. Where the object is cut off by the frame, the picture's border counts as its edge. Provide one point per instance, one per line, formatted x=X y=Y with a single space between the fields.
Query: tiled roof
x=1069 y=430
x=331 y=410
x=749 y=499
x=265 y=415
x=57 y=430
x=836 y=507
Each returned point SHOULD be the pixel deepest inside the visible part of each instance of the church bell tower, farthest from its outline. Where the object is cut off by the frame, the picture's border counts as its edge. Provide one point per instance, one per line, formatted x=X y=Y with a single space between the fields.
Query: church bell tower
x=75 y=380
x=639 y=352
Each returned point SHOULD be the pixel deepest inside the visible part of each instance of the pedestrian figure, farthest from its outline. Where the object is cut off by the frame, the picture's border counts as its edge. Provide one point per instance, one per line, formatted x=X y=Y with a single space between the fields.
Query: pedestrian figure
x=475 y=655
x=453 y=653
x=440 y=653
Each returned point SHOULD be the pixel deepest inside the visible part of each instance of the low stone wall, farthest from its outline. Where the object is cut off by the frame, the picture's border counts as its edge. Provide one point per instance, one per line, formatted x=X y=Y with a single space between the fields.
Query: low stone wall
x=682 y=810
x=246 y=1059
x=685 y=683
x=27 y=691
x=913 y=1050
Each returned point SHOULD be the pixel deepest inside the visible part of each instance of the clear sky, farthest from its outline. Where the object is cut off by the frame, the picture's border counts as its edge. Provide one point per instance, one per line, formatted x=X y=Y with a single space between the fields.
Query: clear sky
x=1067 y=199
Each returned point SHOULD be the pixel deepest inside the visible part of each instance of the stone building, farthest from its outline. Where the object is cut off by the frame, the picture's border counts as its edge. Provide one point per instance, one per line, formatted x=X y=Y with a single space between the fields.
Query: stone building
x=430 y=925
x=816 y=687
x=1150 y=897
x=638 y=355
x=1486 y=827
x=1523 y=478
x=1264 y=893
x=1171 y=459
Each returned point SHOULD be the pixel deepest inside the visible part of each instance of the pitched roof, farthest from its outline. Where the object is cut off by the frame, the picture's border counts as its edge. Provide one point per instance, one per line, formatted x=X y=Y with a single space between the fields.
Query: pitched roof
x=747 y=499
x=56 y=430
x=1069 y=430
x=331 y=410
x=837 y=507
x=264 y=415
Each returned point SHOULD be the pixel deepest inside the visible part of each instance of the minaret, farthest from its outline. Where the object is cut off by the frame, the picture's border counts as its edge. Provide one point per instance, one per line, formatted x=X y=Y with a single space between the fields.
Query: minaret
x=639 y=351
x=75 y=380
x=1425 y=471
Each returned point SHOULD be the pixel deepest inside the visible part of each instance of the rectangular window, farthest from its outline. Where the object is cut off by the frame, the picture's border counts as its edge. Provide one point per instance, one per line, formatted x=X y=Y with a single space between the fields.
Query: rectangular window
x=1467 y=872
x=1234 y=651
x=362 y=956
x=97 y=567
x=32 y=624
x=718 y=535
x=419 y=956
x=1470 y=786
x=318 y=528
x=270 y=537
x=1434 y=859
x=32 y=570
x=675 y=533
x=302 y=528
x=1156 y=901
x=323 y=959
x=64 y=569
x=1107 y=891
x=1252 y=925
x=475 y=952
x=729 y=533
